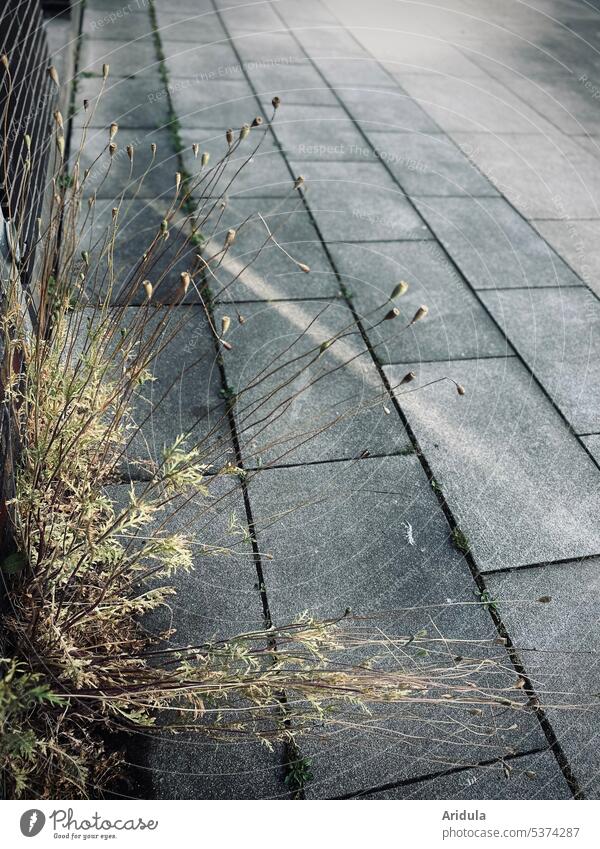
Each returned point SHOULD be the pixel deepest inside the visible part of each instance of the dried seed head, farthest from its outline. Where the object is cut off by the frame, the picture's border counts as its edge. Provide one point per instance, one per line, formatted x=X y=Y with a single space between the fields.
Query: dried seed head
x=225 y=324
x=276 y=102
x=4 y=60
x=85 y=257
x=114 y=129
x=519 y=683
x=114 y=212
x=530 y=773
x=229 y=137
x=195 y=149
x=112 y=148
x=225 y=344
x=105 y=70
x=241 y=319
x=205 y=158
x=325 y=345
x=399 y=289
x=185 y=279
x=229 y=238
x=148 y=289
x=91 y=201
x=460 y=389
x=60 y=143
x=393 y=313
x=420 y=313
x=27 y=139
x=129 y=150
x=408 y=377
x=153 y=148
x=257 y=121
x=177 y=181
x=59 y=118
x=303 y=267
x=86 y=104
x=164 y=225
x=53 y=74
x=244 y=131
x=299 y=181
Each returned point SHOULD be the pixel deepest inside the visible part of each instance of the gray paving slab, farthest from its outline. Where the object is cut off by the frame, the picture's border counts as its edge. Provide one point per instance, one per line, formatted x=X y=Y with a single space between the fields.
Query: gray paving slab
x=292 y=83
x=476 y=105
x=119 y=23
x=563 y=99
x=193 y=25
x=258 y=17
x=592 y=443
x=268 y=48
x=130 y=102
x=535 y=776
x=201 y=62
x=457 y=325
x=386 y=109
x=255 y=268
x=319 y=133
x=311 y=13
x=329 y=40
x=264 y=174
x=557 y=332
x=430 y=164
x=219 y=598
x=520 y=485
x=183 y=397
x=321 y=407
x=560 y=652
x=578 y=242
x=126 y=58
x=337 y=538
x=425 y=53
x=360 y=70
x=493 y=245
x=544 y=176
x=109 y=176
x=215 y=103
x=358 y=202
x=138 y=224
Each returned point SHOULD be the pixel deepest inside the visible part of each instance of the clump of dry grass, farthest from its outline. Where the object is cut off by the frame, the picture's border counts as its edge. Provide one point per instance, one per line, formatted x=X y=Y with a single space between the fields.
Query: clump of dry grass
x=86 y=572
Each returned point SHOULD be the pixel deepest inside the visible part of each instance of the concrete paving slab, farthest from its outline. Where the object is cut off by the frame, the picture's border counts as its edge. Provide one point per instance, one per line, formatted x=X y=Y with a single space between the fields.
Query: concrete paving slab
x=521 y=487
x=430 y=164
x=121 y=22
x=321 y=407
x=578 y=242
x=493 y=245
x=319 y=133
x=565 y=100
x=130 y=102
x=557 y=332
x=544 y=176
x=535 y=776
x=386 y=109
x=358 y=202
x=293 y=83
x=456 y=326
x=126 y=58
x=360 y=70
x=559 y=641
x=216 y=103
x=201 y=62
x=268 y=48
x=194 y=25
x=337 y=538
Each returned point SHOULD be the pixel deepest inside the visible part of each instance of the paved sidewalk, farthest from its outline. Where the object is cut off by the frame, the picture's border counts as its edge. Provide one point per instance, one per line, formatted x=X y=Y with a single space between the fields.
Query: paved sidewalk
x=456 y=149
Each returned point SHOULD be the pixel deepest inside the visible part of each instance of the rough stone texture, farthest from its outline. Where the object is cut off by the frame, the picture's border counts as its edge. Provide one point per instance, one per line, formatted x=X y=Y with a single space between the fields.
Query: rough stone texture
x=358 y=202
x=131 y=102
x=557 y=332
x=255 y=268
x=111 y=176
x=321 y=408
x=492 y=245
x=535 y=776
x=544 y=176
x=520 y=485
x=560 y=641
x=337 y=536
x=430 y=164
x=578 y=242
x=456 y=326
x=592 y=443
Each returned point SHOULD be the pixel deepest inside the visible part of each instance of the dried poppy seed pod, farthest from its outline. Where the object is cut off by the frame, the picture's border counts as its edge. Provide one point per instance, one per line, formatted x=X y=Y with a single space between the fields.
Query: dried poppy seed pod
x=408 y=378
x=105 y=70
x=393 y=313
x=177 y=181
x=129 y=150
x=399 y=289
x=27 y=140
x=257 y=121
x=114 y=129
x=60 y=143
x=86 y=104
x=299 y=181
x=195 y=149
x=229 y=137
x=460 y=389
x=241 y=319
x=205 y=158
x=244 y=131
x=325 y=345
x=164 y=225
x=185 y=280
x=59 y=118
x=225 y=324
x=112 y=148
x=4 y=59
x=114 y=212
x=303 y=267
x=229 y=238
x=148 y=289
x=53 y=74
x=227 y=345
x=276 y=102
x=420 y=313
x=85 y=257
